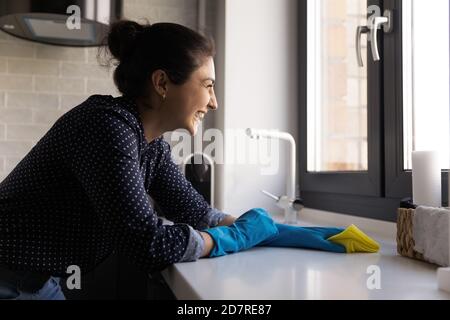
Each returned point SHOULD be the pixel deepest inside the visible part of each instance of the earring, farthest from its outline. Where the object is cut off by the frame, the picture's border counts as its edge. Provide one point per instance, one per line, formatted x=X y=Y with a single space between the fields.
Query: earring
x=164 y=96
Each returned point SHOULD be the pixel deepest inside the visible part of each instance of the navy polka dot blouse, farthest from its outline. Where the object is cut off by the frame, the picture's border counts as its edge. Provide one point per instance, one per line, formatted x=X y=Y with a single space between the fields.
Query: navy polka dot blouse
x=88 y=188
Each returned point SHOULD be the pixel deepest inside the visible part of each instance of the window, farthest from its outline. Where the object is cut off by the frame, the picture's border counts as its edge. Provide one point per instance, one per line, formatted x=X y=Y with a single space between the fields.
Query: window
x=425 y=85
x=359 y=124
x=337 y=105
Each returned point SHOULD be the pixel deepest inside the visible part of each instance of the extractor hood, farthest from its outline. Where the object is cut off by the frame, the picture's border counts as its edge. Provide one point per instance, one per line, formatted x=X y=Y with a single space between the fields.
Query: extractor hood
x=60 y=22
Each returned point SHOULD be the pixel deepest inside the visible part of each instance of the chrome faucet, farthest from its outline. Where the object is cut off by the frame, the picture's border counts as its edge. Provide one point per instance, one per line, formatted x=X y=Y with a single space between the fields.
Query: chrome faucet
x=290 y=203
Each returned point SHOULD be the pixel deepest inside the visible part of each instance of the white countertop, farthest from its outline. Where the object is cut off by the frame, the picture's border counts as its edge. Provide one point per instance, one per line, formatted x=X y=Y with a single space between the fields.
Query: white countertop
x=287 y=273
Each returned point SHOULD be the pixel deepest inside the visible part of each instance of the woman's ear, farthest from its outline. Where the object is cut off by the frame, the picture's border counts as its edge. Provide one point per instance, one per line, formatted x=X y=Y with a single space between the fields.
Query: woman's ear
x=160 y=82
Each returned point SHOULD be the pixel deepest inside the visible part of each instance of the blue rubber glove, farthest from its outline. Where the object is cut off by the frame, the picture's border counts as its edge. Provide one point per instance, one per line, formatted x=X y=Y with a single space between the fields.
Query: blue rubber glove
x=247 y=231
x=305 y=237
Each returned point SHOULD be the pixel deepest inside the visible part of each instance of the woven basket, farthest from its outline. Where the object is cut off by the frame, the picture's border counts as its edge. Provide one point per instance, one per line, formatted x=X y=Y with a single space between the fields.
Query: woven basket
x=405 y=240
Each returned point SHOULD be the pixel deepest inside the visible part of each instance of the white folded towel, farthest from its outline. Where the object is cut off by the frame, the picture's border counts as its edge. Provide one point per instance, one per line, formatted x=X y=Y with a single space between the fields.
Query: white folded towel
x=431 y=234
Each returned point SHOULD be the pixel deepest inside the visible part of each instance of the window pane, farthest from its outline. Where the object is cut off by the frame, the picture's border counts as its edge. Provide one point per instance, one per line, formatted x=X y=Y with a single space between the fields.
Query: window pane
x=337 y=87
x=426 y=78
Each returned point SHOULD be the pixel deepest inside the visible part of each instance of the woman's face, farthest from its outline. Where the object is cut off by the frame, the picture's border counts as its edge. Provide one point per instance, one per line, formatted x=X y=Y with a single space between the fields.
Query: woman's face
x=187 y=104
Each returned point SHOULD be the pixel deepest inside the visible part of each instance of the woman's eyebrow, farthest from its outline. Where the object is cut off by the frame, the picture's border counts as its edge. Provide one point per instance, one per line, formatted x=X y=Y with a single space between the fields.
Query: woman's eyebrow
x=213 y=81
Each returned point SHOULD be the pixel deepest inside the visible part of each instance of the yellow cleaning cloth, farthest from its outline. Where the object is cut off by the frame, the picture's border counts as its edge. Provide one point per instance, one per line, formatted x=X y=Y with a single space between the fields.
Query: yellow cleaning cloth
x=354 y=240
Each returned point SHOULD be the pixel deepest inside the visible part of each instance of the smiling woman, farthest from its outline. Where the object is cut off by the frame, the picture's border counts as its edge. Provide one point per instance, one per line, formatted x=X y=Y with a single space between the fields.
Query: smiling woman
x=168 y=69
x=84 y=190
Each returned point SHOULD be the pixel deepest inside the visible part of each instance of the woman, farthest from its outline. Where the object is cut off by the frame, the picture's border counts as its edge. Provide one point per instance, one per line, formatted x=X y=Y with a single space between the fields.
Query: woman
x=82 y=191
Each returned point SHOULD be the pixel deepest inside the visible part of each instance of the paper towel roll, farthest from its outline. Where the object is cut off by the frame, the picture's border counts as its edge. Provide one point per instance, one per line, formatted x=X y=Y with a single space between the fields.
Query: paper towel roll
x=426 y=178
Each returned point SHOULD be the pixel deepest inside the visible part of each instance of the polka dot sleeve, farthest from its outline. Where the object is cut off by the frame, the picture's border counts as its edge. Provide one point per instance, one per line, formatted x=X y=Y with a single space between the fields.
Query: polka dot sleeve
x=177 y=197
x=106 y=162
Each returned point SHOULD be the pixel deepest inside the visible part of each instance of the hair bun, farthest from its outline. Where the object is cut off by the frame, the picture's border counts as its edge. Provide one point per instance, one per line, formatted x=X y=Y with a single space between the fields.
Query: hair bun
x=122 y=38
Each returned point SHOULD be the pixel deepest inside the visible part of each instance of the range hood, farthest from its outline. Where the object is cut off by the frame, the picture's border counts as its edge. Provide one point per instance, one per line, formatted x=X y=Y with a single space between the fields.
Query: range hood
x=60 y=22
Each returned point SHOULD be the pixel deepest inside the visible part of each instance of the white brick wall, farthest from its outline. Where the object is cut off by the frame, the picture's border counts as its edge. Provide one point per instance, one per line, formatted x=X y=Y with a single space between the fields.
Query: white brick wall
x=2 y=65
x=39 y=83
x=2 y=132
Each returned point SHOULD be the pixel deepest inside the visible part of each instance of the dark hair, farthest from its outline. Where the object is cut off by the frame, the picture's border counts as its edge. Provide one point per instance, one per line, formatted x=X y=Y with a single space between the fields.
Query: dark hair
x=140 y=49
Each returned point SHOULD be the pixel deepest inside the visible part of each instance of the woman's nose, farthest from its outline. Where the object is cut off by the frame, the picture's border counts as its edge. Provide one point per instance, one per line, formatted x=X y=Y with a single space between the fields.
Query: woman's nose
x=213 y=102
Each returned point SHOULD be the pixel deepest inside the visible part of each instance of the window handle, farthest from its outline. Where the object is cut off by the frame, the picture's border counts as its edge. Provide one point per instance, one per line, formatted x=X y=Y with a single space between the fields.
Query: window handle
x=359 y=31
x=374 y=23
